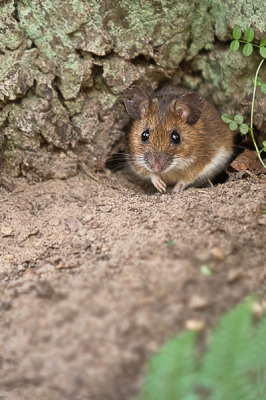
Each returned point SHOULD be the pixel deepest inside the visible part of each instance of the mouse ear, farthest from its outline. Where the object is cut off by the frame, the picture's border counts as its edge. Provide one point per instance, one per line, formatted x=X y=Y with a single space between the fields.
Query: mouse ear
x=136 y=101
x=188 y=107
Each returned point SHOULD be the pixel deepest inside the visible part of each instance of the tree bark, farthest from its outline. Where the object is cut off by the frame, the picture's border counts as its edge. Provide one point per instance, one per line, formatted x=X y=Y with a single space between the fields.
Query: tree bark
x=65 y=64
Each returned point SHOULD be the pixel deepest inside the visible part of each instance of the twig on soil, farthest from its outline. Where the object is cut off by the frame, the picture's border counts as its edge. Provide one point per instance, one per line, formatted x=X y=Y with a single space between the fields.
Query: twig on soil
x=88 y=172
x=81 y=163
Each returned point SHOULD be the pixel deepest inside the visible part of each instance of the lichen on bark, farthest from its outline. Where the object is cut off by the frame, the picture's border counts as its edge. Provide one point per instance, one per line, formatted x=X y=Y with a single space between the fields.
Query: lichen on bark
x=65 y=64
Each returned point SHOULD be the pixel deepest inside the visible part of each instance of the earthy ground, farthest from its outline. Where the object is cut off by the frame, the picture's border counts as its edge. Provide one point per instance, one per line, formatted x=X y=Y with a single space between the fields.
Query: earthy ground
x=95 y=277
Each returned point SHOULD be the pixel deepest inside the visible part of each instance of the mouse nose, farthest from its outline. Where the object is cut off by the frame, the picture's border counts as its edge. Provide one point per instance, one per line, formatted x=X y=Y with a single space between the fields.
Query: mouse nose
x=157 y=166
x=158 y=162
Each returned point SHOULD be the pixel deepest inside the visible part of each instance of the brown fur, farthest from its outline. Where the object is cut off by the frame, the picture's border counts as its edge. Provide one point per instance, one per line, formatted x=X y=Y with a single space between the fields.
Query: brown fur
x=201 y=140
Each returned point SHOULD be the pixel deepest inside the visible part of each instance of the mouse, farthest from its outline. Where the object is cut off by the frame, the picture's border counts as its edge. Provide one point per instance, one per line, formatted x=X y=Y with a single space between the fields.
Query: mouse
x=177 y=138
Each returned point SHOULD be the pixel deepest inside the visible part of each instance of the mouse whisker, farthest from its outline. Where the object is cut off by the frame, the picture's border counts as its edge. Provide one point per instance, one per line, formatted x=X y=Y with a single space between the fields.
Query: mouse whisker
x=118 y=167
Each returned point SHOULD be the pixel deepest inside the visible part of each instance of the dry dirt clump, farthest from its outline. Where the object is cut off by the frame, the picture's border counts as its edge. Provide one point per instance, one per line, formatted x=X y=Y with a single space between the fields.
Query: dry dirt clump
x=95 y=277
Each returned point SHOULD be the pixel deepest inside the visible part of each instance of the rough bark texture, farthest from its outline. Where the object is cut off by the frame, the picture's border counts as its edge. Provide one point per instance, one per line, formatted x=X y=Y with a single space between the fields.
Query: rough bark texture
x=64 y=65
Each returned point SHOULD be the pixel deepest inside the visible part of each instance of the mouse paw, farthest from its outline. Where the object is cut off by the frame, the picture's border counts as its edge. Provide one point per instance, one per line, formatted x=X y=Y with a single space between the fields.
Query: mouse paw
x=158 y=183
x=179 y=187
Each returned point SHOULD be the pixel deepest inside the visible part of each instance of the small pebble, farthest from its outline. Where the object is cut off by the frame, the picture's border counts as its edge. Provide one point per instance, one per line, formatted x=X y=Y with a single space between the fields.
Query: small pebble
x=73 y=224
x=87 y=218
x=217 y=253
x=69 y=265
x=262 y=220
x=105 y=249
x=194 y=324
x=259 y=308
x=22 y=267
x=94 y=225
x=9 y=257
x=87 y=244
x=54 y=222
x=234 y=275
x=6 y=230
x=19 y=189
x=82 y=232
x=198 y=302
x=62 y=155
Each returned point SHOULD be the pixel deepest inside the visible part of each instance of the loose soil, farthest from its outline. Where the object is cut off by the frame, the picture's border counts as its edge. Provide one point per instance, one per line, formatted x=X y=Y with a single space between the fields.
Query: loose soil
x=96 y=276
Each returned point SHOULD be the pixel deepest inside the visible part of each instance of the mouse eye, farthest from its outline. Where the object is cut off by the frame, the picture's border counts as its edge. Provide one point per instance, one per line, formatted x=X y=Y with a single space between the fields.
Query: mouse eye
x=145 y=135
x=175 y=137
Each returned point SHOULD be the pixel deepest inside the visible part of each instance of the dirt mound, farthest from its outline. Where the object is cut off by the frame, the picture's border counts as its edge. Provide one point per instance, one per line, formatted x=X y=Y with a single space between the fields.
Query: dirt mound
x=95 y=277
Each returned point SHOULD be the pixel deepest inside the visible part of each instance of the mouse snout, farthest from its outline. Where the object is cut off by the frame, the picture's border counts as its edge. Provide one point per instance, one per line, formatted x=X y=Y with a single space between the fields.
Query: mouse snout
x=157 y=166
x=158 y=162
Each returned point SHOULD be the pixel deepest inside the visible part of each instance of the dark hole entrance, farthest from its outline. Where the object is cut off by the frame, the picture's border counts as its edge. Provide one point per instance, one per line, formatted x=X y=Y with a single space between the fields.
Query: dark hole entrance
x=117 y=161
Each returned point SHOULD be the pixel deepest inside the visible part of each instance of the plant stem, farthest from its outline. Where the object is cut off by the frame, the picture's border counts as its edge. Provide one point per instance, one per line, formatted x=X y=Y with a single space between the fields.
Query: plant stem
x=253 y=44
x=252 y=113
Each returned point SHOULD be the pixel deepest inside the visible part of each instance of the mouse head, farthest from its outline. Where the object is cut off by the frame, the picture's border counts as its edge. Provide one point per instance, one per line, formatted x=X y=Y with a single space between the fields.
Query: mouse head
x=163 y=128
x=188 y=107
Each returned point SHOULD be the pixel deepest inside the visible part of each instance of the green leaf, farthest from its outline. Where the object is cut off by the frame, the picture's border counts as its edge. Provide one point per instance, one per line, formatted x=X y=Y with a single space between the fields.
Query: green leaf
x=256 y=368
x=170 y=243
x=227 y=118
x=263 y=41
x=172 y=371
x=239 y=119
x=247 y=49
x=264 y=143
x=233 y=366
x=228 y=355
x=205 y=270
x=260 y=344
x=249 y=34
x=244 y=129
x=263 y=88
x=263 y=52
x=259 y=81
x=234 y=45
x=233 y=125
x=237 y=33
